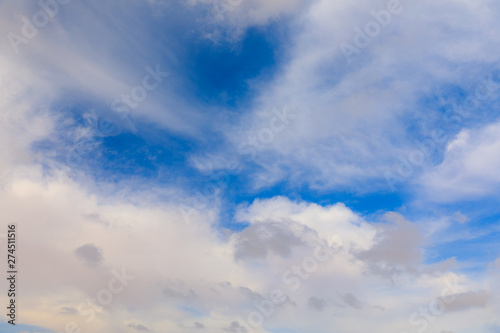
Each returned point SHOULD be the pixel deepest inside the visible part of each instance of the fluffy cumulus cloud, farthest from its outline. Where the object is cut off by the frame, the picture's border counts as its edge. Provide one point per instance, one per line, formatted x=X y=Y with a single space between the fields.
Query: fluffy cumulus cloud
x=317 y=267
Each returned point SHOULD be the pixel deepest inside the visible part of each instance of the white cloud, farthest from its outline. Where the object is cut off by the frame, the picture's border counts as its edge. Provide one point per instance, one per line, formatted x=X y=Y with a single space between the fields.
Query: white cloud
x=238 y=15
x=181 y=266
x=23 y=119
x=469 y=168
x=100 y=63
x=353 y=119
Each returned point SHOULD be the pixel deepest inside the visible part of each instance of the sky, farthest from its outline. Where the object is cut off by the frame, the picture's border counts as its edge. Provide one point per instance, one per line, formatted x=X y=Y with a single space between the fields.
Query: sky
x=267 y=166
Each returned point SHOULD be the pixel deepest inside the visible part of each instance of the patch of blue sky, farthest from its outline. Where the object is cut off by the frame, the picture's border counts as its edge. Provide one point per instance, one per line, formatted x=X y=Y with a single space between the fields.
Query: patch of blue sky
x=239 y=192
x=473 y=252
x=366 y=204
x=194 y=312
x=473 y=241
x=226 y=73
x=125 y=155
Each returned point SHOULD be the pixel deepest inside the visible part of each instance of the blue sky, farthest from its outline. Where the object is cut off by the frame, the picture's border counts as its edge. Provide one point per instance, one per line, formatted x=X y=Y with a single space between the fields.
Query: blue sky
x=209 y=145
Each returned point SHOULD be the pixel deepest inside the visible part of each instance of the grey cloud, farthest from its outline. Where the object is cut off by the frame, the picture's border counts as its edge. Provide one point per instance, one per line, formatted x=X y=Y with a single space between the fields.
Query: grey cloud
x=138 y=327
x=460 y=218
x=225 y=284
x=235 y=327
x=352 y=301
x=95 y=218
x=68 y=310
x=250 y=294
x=198 y=325
x=170 y=293
x=398 y=248
x=343 y=301
x=471 y=299
x=318 y=304
x=253 y=296
x=90 y=254
x=261 y=239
